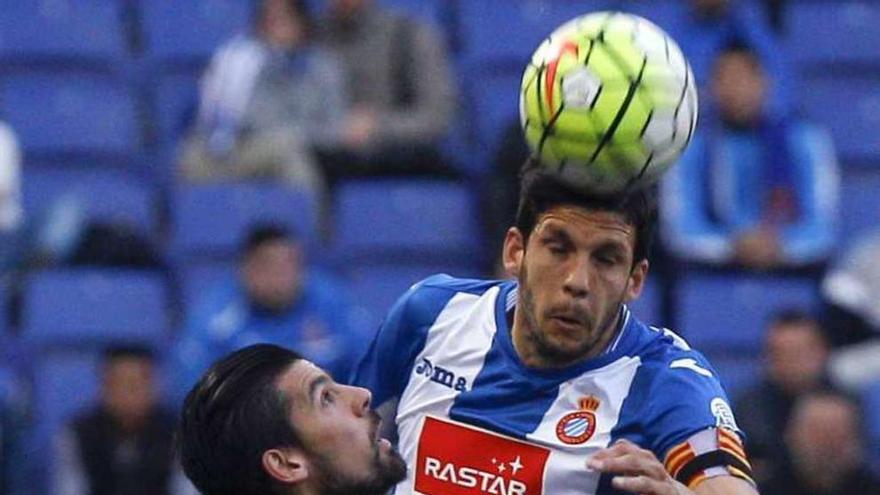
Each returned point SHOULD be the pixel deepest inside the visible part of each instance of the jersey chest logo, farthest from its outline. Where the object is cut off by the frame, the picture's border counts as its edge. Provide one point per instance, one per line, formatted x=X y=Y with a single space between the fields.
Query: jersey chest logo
x=457 y=459
x=577 y=427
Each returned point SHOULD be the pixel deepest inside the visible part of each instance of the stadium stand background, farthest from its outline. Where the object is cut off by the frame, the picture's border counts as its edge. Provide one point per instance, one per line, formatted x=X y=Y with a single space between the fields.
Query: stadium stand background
x=98 y=92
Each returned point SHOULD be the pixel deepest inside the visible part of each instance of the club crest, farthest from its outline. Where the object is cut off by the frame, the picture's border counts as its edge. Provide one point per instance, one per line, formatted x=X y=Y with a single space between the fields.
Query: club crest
x=577 y=427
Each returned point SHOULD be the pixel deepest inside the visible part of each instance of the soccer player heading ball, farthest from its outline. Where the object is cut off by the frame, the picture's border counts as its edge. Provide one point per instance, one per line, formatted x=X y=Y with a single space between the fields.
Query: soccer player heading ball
x=546 y=383
x=608 y=101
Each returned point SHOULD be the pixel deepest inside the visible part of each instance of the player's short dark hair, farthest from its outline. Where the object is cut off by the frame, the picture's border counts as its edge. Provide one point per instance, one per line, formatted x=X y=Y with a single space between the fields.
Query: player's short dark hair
x=541 y=189
x=231 y=417
x=792 y=316
x=301 y=7
x=264 y=233
x=128 y=351
x=737 y=46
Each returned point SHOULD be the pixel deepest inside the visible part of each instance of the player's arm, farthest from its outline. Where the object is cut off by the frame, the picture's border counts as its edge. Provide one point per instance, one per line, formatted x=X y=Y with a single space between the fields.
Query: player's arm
x=638 y=470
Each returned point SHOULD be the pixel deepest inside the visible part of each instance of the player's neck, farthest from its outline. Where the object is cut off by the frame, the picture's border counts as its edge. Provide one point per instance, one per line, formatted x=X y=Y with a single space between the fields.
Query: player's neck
x=533 y=355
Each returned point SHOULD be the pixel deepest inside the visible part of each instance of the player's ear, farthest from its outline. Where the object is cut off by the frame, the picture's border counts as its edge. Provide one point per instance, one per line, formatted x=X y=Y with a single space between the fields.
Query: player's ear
x=288 y=466
x=513 y=251
x=637 y=277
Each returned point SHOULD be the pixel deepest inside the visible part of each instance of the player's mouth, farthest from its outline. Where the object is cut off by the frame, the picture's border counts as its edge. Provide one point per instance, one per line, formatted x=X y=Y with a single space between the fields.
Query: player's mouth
x=375 y=429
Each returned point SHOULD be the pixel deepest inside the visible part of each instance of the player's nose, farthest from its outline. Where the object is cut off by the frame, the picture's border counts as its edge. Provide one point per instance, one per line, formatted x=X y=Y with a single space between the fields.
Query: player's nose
x=577 y=280
x=361 y=399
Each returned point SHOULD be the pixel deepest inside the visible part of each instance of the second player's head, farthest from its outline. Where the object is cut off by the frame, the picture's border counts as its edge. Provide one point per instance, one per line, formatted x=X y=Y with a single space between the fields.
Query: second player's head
x=265 y=421
x=577 y=257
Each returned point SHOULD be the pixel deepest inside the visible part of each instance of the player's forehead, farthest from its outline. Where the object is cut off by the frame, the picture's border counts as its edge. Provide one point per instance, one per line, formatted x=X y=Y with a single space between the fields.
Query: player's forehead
x=585 y=224
x=297 y=380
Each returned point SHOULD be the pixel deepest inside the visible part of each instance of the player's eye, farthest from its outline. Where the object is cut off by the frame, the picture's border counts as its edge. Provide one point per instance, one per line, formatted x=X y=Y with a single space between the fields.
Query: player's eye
x=327 y=397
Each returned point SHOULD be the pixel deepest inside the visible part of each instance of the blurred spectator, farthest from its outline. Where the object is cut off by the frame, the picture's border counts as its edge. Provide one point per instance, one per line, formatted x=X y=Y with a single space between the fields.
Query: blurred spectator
x=267 y=100
x=825 y=441
x=401 y=86
x=707 y=27
x=124 y=444
x=755 y=188
x=13 y=427
x=796 y=355
x=852 y=289
x=10 y=199
x=275 y=299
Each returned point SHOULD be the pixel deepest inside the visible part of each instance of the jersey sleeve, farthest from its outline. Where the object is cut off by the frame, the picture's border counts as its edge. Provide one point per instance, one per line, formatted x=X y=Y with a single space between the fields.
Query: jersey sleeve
x=690 y=425
x=387 y=364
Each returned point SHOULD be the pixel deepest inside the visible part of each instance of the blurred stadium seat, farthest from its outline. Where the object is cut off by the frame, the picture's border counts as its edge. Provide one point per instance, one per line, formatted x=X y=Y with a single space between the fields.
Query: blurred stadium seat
x=187 y=33
x=832 y=32
x=70 y=114
x=847 y=105
x=93 y=307
x=506 y=32
x=176 y=104
x=69 y=316
x=194 y=279
x=377 y=286
x=493 y=96
x=860 y=204
x=414 y=221
x=104 y=195
x=729 y=311
x=738 y=371
x=210 y=221
x=65 y=32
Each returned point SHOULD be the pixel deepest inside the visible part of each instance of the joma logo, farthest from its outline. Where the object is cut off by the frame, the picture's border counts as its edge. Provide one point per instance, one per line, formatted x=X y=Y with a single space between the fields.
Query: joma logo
x=441 y=375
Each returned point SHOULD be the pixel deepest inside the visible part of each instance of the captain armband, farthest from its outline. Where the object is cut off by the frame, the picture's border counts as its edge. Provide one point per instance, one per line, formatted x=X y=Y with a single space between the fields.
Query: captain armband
x=709 y=453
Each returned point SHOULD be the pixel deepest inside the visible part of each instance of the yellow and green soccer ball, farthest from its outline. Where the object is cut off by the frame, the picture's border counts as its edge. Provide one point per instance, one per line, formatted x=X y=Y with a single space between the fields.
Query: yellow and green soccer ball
x=608 y=100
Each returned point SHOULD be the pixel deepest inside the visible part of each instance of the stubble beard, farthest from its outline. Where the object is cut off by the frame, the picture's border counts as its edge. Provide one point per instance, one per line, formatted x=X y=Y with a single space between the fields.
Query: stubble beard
x=549 y=352
x=384 y=474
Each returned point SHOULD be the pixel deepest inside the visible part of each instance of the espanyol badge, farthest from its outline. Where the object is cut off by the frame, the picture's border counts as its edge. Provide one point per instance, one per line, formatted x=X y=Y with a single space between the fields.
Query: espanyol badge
x=577 y=427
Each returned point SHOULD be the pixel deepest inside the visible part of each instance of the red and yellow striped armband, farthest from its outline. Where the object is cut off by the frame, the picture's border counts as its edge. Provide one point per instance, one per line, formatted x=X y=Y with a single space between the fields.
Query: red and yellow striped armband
x=709 y=453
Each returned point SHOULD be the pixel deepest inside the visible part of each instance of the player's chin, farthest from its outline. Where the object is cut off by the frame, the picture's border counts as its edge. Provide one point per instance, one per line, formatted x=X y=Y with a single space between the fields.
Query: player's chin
x=391 y=464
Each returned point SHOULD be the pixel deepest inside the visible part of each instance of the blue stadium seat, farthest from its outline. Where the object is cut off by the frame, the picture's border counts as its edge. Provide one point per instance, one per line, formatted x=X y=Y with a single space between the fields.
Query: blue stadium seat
x=65 y=383
x=493 y=97
x=718 y=311
x=738 y=371
x=670 y=15
x=61 y=31
x=210 y=221
x=847 y=106
x=105 y=195
x=94 y=307
x=506 y=32
x=76 y=113
x=832 y=32
x=194 y=279
x=418 y=221
x=188 y=32
x=176 y=104
x=860 y=204
x=379 y=285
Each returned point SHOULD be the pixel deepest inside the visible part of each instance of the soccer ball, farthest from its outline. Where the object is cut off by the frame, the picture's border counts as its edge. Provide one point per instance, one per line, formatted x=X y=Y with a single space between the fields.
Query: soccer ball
x=609 y=101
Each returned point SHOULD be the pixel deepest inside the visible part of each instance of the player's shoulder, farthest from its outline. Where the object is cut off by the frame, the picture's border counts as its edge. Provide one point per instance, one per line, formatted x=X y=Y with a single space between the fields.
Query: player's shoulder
x=669 y=361
x=427 y=298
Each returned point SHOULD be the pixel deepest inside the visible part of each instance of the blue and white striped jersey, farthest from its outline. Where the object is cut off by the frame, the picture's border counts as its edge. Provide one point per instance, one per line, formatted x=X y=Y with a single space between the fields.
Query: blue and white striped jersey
x=472 y=419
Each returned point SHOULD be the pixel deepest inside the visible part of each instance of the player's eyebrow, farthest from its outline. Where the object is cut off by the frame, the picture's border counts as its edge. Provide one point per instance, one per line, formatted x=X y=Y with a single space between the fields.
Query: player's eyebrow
x=554 y=233
x=315 y=384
